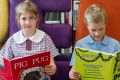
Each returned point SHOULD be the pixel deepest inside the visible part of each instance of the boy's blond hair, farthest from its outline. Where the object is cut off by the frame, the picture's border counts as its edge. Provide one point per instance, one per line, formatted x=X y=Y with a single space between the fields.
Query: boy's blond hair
x=26 y=6
x=94 y=13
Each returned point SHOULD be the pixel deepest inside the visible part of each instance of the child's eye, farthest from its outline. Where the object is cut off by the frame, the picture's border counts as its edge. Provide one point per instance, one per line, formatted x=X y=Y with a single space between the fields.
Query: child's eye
x=93 y=30
x=101 y=29
x=23 y=18
x=31 y=17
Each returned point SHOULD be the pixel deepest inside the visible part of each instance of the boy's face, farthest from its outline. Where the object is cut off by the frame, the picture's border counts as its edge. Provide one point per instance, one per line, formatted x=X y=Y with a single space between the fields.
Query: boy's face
x=28 y=21
x=97 y=30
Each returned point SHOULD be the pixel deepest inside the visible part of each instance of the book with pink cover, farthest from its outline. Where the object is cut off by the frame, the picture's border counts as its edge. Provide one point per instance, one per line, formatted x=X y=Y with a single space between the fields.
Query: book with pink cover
x=19 y=68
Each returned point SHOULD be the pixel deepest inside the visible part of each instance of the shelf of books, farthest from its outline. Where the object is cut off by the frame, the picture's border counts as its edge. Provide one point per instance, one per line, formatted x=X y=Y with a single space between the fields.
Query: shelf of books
x=76 y=4
x=75 y=7
x=58 y=18
x=52 y=18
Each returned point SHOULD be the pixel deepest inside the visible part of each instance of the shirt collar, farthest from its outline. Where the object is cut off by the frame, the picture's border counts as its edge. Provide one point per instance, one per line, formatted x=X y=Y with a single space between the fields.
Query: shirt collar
x=37 y=37
x=89 y=40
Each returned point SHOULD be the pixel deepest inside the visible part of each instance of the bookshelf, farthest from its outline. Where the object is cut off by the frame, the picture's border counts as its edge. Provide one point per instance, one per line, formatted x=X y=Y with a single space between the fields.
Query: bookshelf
x=61 y=17
x=75 y=13
x=53 y=18
x=75 y=7
x=58 y=18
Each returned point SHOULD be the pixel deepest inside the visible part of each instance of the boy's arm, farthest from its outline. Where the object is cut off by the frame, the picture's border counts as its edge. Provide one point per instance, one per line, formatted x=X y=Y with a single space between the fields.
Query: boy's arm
x=73 y=74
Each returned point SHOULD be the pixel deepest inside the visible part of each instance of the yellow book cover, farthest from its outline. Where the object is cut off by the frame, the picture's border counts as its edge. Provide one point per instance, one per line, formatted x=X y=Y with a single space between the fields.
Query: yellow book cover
x=95 y=65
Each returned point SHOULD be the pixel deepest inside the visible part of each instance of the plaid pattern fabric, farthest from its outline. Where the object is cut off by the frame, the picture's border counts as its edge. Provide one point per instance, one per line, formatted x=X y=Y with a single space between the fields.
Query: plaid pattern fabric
x=12 y=50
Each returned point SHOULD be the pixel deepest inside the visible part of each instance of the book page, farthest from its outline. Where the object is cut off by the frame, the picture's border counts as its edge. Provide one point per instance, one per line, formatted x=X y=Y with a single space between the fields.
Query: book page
x=94 y=65
x=116 y=67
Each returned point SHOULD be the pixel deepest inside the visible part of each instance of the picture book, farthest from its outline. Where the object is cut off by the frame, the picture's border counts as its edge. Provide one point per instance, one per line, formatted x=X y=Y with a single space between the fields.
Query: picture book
x=95 y=65
x=24 y=68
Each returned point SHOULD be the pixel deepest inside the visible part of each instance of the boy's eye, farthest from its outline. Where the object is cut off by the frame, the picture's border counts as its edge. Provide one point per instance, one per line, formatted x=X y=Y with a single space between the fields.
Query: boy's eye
x=101 y=29
x=93 y=30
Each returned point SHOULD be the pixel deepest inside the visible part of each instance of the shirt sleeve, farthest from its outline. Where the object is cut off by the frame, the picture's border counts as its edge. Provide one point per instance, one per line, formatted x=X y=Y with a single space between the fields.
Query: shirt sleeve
x=73 y=55
x=117 y=47
x=6 y=50
x=50 y=46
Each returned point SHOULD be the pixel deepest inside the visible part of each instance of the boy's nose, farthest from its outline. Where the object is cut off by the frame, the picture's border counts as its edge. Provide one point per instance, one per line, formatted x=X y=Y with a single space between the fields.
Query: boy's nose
x=96 y=33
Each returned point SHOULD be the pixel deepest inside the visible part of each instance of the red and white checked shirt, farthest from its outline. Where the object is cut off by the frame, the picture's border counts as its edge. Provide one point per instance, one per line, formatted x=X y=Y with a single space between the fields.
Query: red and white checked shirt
x=16 y=45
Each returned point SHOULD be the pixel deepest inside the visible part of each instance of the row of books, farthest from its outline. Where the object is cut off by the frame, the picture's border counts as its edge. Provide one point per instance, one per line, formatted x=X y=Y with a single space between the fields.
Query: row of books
x=51 y=18
x=71 y=18
x=58 y=17
x=76 y=4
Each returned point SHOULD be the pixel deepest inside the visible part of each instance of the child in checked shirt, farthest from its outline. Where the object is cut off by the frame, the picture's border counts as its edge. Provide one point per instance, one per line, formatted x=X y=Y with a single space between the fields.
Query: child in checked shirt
x=16 y=46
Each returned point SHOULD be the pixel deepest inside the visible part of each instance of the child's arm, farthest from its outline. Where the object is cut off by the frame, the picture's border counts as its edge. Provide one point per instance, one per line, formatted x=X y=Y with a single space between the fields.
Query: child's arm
x=6 y=50
x=51 y=68
x=73 y=74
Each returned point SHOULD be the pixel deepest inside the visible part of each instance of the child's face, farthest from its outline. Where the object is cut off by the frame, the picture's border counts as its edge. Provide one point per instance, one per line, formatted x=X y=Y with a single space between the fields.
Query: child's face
x=28 y=21
x=96 y=30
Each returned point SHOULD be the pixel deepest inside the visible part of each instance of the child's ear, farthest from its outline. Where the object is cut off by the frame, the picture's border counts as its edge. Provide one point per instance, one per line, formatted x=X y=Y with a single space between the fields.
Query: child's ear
x=18 y=23
x=38 y=18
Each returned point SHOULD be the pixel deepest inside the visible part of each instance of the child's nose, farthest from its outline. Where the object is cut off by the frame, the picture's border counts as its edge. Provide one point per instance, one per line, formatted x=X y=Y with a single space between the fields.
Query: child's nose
x=27 y=21
x=97 y=33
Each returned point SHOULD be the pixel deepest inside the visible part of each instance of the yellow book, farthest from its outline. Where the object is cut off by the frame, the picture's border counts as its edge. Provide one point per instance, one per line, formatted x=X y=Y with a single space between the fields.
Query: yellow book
x=95 y=65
